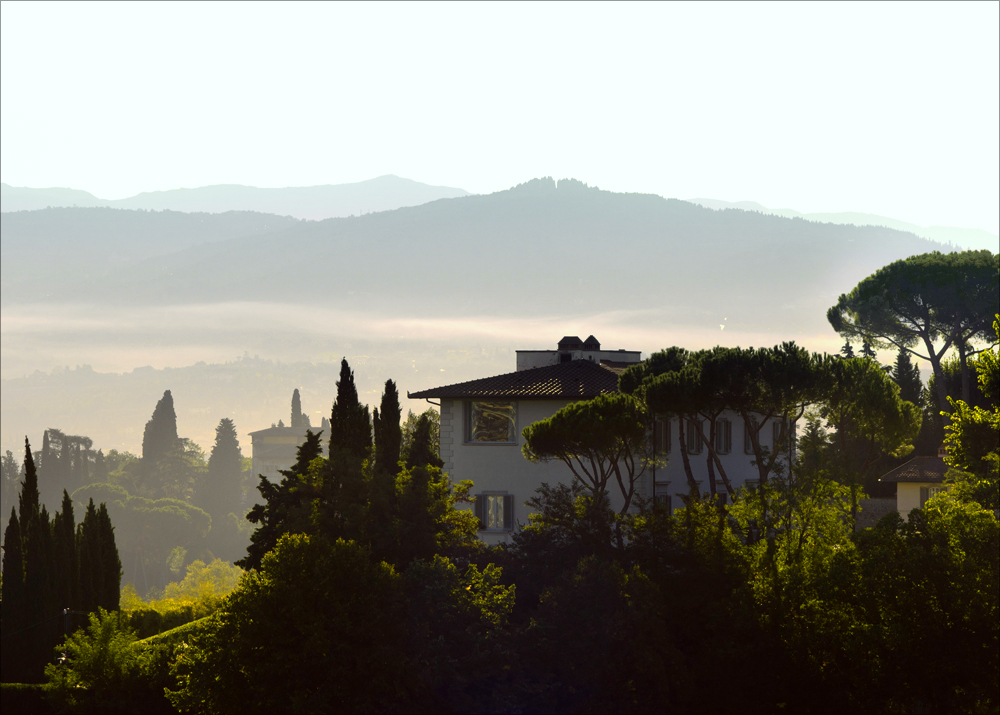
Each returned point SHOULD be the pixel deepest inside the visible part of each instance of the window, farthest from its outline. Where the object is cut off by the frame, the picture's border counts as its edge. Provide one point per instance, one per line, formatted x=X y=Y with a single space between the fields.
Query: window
x=723 y=436
x=494 y=422
x=665 y=502
x=565 y=357
x=929 y=492
x=694 y=436
x=778 y=435
x=748 y=430
x=723 y=498
x=661 y=436
x=495 y=512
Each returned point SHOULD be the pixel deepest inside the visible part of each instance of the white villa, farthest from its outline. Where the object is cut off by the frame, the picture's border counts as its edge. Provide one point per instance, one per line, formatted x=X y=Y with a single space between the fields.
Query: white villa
x=917 y=481
x=481 y=423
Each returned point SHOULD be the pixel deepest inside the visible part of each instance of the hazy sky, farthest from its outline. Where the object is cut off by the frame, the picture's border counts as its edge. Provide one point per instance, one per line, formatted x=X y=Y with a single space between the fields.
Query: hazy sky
x=885 y=108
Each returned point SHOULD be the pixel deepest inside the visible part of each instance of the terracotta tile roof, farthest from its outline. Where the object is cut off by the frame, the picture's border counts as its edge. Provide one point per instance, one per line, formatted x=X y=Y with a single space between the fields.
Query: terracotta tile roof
x=617 y=366
x=918 y=469
x=578 y=379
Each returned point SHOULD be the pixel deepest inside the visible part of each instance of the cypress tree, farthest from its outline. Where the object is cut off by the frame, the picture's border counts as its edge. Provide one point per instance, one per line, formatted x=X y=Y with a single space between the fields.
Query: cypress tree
x=423 y=451
x=350 y=424
x=907 y=376
x=298 y=419
x=47 y=466
x=33 y=541
x=350 y=445
x=159 y=437
x=219 y=492
x=388 y=434
x=382 y=504
x=109 y=589
x=13 y=593
x=88 y=549
x=46 y=634
x=28 y=499
x=67 y=577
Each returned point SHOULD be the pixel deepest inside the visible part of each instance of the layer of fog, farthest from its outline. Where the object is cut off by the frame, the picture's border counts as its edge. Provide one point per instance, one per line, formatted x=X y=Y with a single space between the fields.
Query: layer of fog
x=99 y=371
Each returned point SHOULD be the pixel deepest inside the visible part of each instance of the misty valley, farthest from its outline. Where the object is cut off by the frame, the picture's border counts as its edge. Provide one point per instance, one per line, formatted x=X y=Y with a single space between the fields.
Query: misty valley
x=338 y=460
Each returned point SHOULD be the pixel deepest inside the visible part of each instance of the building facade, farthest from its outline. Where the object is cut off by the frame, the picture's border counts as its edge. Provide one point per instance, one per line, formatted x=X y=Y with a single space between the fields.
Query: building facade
x=482 y=420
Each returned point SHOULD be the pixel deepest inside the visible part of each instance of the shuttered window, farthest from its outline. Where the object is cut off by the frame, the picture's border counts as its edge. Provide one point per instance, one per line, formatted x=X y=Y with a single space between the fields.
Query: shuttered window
x=748 y=428
x=662 y=436
x=693 y=436
x=495 y=512
x=723 y=436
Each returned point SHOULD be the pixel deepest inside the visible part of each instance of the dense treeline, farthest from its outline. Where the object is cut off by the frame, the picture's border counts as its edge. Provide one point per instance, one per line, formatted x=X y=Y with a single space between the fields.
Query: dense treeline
x=50 y=565
x=367 y=590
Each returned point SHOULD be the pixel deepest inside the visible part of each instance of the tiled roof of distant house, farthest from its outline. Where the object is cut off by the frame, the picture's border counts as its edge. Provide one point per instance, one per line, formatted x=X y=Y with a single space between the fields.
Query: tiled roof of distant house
x=617 y=366
x=918 y=469
x=578 y=379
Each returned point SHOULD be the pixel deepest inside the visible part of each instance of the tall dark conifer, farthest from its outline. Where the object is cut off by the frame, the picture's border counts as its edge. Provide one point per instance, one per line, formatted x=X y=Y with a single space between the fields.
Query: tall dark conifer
x=907 y=376
x=285 y=506
x=14 y=603
x=350 y=422
x=388 y=433
x=350 y=446
x=160 y=436
x=382 y=499
x=219 y=492
x=67 y=574
x=109 y=589
x=298 y=419
x=88 y=549
x=423 y=451
x=36 y=568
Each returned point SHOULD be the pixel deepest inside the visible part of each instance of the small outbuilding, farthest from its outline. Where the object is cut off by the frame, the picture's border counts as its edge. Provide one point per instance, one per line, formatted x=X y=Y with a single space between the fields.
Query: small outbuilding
x=917 y=481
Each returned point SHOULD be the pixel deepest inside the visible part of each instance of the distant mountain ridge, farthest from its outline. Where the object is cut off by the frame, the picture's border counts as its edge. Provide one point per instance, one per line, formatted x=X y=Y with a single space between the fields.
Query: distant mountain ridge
x=383 y=193
x=539 y=248
x=969 y=238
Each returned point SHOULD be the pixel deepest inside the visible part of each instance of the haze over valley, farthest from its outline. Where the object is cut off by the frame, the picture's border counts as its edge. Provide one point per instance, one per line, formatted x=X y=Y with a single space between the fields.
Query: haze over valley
x=234 y=309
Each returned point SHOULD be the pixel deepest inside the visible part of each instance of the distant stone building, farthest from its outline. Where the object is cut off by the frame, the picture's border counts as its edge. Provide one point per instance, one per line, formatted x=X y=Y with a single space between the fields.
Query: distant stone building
x=274 y=449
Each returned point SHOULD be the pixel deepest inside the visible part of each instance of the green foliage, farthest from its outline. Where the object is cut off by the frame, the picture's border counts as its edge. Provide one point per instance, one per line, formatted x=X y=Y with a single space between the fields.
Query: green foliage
x=219 y=492
x=287 y=507
x=160 y=435
x=973 y=437
x=409 y=430
x=197 y=596
x=869 y=423
x=105 y=670
x=907 y=376
x=318 y=627
x=945 y=297
x=205 y=582
x=598 y=440
x=350 y=423
x=458 y=635
x=422 y=448
x=149 y=531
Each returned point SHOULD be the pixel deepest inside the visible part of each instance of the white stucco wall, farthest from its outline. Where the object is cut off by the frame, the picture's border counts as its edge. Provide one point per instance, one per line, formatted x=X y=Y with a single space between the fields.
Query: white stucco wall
x=528 y=359
x=501 y=468
x=908 y=496
x=672 y=480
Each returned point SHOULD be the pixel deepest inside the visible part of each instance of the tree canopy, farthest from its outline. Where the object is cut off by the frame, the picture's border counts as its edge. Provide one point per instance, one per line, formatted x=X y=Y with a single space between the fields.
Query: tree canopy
x=937 y=301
